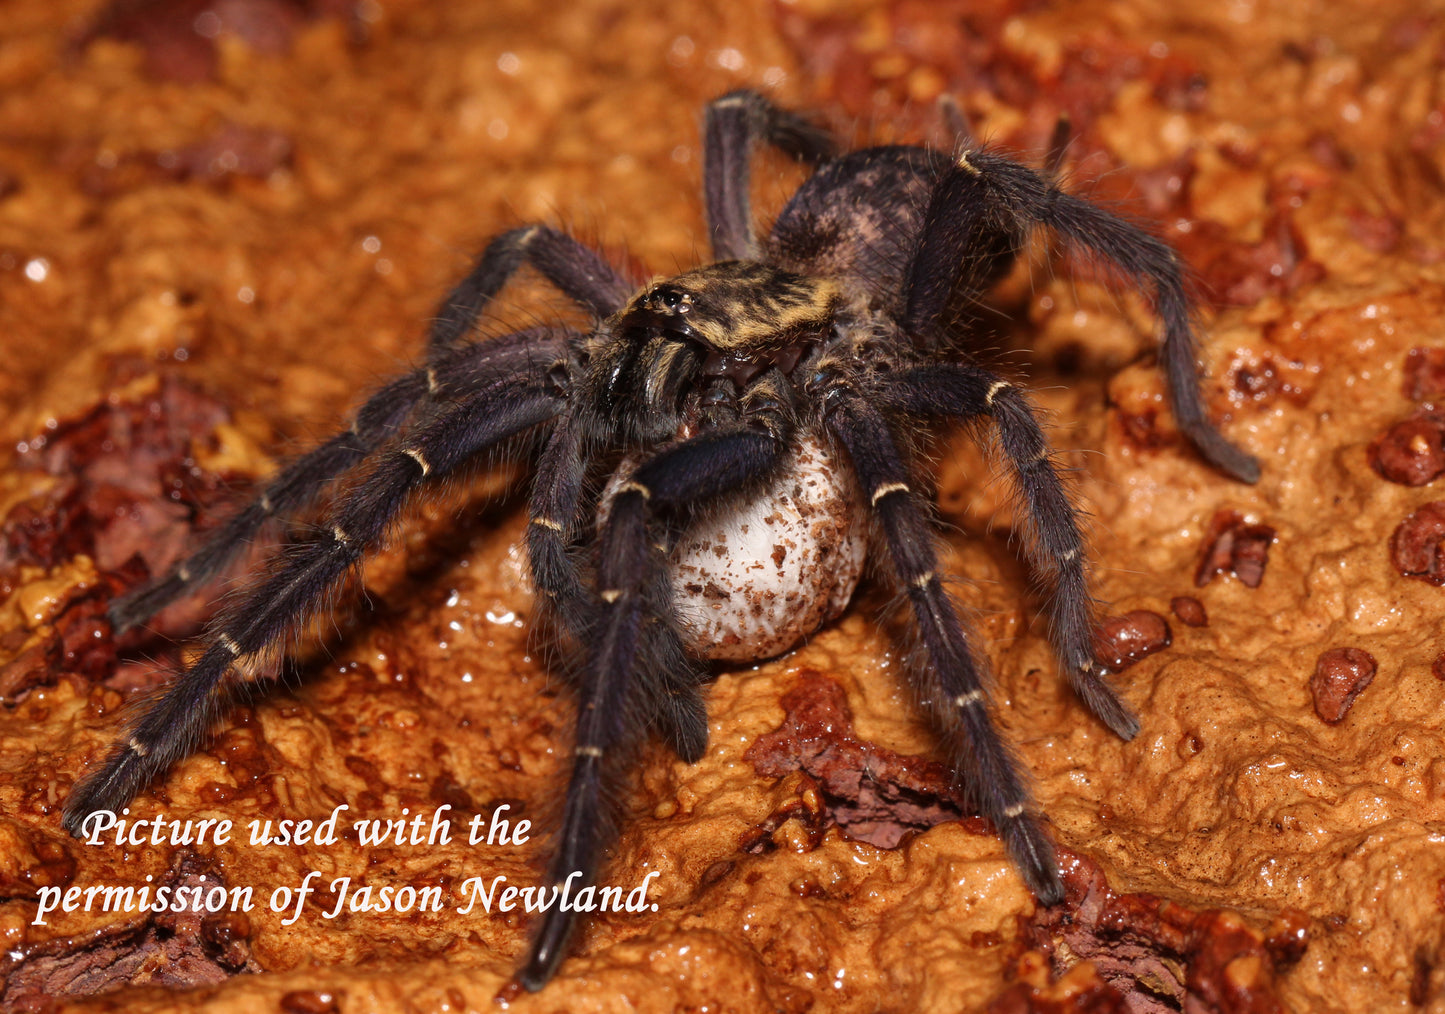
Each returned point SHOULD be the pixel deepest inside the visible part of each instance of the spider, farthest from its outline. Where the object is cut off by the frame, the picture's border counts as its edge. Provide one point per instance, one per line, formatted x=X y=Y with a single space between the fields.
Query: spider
x=808 y=357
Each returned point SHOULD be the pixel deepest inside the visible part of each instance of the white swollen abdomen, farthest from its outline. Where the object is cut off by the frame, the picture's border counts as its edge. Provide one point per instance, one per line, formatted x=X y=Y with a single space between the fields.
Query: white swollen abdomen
x=759 y=574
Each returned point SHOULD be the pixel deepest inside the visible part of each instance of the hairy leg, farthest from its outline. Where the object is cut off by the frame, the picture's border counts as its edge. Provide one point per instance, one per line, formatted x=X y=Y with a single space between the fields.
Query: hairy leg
x=302 y=577
x=615 y=694
x=735 y=122
x=948 y=677
x=978 y=217
x=1054 y=545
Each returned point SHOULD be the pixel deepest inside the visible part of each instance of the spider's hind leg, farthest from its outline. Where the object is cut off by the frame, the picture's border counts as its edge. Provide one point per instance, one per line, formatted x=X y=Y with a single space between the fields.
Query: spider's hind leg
x=1058 y=147
x=1150 y=262
x=735 y=122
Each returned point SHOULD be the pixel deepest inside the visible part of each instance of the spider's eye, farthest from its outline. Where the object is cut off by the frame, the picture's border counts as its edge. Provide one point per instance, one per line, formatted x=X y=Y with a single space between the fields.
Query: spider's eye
x=673 y=300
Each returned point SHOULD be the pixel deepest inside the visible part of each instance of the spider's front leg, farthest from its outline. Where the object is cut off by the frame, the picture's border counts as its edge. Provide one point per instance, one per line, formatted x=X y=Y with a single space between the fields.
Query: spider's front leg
x=295 y=487
x=985 y=205
x=552 y=518
x=616 y=693
x=678 y=710
x=575 y=269
x=301 y=481
x=304 y=573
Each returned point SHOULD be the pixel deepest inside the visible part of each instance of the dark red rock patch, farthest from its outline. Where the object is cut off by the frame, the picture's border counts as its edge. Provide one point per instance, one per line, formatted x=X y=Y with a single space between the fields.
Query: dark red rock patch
x=1412 y=451
x=178 y=37
x=128 y=494
x=871 y=793
x=1234 y=546
x=1189 y=610
x=1148 y=955
x=174 y=950
x=1415 y=548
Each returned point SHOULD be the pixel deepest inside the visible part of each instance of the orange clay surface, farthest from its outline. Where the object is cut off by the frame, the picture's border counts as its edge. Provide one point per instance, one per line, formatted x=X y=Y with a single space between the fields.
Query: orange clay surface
x=210 y=250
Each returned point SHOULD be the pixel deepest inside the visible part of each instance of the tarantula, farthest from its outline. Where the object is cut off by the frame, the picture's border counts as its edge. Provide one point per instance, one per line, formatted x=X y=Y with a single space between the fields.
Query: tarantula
x=699 y=397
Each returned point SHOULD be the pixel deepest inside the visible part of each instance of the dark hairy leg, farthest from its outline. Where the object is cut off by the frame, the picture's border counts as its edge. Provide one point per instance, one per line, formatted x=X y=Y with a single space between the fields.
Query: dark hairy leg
x=735 y=122
x=977 y=219
x=301 y=481
x=948 y=677
x=575 y=269
x=616 y=693
x=302 y=577
x=679 y=713
x=1053 y=542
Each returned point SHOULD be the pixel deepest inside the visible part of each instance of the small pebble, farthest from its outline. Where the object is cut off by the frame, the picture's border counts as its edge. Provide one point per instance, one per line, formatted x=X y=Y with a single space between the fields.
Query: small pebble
x=1341 y=674
x=1415 y=544
x=1236 y=546
x=1411 y=452
x=1124 y=640
x=1189 y=610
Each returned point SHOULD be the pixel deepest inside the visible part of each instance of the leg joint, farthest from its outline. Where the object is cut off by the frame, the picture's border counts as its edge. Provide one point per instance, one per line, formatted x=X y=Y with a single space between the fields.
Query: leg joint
x=887 y=489
x=971 y=699
x=419 y=458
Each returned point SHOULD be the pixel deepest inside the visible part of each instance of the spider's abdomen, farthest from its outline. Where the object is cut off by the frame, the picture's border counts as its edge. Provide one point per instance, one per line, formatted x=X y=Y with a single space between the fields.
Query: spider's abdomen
x=757 y=574
x=761 y=574
x=859 y=217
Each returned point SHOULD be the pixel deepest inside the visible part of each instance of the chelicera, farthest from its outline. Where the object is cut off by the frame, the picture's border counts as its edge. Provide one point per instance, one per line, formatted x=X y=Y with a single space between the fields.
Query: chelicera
x=781 y=385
